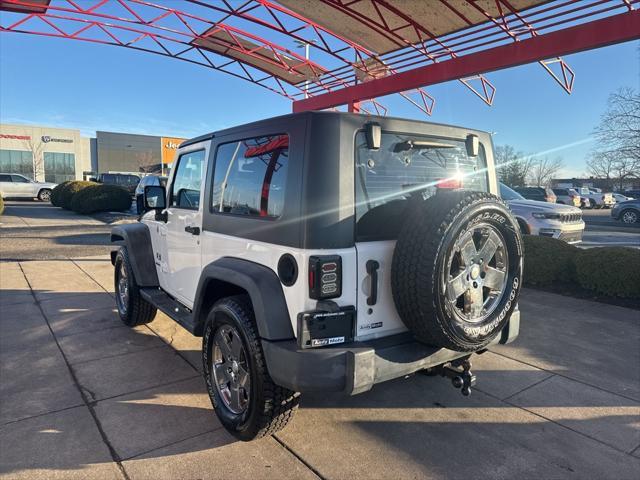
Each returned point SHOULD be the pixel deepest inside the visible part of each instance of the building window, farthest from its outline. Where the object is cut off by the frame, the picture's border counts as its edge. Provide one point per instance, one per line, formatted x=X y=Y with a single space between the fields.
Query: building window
x=16 y=161
x=59 y=167
x=250 y=175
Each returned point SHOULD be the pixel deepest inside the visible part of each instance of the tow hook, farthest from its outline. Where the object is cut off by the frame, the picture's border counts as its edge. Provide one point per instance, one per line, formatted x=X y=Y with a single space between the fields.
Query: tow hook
x=459 y=371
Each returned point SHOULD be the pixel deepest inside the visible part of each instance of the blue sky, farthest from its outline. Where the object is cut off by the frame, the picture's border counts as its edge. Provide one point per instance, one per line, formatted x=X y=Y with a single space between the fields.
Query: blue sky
x=91 y=87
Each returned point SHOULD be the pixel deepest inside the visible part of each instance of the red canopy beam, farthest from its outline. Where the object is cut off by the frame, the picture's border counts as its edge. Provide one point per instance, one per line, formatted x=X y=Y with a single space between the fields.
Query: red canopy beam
x=595 y=34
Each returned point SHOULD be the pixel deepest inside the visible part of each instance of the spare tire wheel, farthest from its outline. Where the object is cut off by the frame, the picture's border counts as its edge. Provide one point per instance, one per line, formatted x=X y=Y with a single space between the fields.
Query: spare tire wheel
x=457 y=269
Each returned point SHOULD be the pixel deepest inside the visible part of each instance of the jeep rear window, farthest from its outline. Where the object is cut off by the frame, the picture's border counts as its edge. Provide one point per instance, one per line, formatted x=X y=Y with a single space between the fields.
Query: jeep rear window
x=408 y=168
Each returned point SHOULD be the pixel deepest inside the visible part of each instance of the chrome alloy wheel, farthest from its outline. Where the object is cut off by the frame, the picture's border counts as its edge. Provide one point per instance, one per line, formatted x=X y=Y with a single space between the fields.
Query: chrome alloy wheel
x=629 y=217
x=230 y=369
x=122 y=295
x=476 y=271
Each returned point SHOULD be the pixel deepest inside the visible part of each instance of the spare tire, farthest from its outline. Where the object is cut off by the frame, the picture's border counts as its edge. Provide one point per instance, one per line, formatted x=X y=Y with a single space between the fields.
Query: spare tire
x=457 y=269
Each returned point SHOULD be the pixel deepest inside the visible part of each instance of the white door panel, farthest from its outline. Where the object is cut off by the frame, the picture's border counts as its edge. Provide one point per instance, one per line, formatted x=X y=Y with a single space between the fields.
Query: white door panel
x=382 y=318
x=183 y=254
x=182 y=263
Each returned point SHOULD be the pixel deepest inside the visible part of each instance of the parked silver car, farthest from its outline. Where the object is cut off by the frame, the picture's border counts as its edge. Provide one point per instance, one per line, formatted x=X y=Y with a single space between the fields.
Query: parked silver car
x=563 y=222
x=13 y=185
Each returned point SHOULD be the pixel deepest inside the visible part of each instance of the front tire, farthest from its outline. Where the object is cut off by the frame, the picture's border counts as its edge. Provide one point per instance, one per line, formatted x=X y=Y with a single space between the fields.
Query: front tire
x=132 y=308
x=44 y=195
x=244 y=397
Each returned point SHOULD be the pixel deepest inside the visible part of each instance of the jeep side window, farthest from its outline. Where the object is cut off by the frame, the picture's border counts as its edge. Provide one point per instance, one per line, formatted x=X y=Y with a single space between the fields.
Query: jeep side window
x=250 y=176
x=185 y=190
x=407 y=168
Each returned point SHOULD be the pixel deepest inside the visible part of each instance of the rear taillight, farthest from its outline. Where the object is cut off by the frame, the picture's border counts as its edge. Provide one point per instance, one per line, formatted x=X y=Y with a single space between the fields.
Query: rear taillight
x=325 y=277
x=449 y=183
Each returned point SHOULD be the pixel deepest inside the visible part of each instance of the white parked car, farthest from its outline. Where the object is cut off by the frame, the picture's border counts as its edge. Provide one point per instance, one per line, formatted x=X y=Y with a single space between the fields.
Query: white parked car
x=13 y=185
x=595 y=198
x=619 y=197
x=543 y=218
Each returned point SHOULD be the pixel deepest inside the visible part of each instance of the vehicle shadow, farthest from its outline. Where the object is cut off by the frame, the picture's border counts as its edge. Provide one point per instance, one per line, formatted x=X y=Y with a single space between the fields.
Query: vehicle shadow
x=420 y=416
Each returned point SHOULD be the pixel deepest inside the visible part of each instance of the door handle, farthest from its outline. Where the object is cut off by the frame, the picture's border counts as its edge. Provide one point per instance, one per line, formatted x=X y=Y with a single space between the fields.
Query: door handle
x=372 y=270
x=192 y=230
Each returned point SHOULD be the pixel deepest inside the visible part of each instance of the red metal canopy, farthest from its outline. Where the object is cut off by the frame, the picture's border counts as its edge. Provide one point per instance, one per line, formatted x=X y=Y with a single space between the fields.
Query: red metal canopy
x=356 y=50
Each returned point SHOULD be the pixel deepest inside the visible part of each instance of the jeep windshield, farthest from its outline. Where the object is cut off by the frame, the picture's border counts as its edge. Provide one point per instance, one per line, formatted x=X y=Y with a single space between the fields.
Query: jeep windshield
x=408 y=168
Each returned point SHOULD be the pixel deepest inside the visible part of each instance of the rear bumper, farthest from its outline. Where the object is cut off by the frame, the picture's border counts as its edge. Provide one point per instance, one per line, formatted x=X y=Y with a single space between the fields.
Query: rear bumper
x=356 y=367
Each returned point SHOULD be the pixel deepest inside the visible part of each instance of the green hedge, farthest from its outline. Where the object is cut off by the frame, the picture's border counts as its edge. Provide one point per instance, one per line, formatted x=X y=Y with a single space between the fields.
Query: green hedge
x=612 y=271
x=101 y=198
x=69 y=190
x=609 y=271
x=55 y=193
x=547 y=260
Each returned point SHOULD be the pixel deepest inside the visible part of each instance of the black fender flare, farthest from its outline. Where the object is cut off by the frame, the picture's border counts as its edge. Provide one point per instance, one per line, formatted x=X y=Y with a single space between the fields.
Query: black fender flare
x=261 y=284
x=137 y=239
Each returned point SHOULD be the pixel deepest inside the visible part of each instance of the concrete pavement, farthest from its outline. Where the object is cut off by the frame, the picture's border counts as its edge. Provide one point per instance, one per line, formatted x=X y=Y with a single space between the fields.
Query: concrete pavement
x=82 y=396
x=39 y=231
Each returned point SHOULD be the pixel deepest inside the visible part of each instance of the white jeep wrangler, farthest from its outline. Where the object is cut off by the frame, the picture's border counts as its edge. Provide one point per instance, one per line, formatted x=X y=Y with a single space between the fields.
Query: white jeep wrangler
x=325 y=251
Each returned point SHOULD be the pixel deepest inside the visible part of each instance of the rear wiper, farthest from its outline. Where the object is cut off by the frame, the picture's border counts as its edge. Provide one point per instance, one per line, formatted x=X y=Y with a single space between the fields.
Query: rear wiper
x=419 y=145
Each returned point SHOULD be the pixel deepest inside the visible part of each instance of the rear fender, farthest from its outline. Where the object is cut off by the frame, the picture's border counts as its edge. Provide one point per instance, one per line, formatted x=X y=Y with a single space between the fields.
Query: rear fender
x=231 y=276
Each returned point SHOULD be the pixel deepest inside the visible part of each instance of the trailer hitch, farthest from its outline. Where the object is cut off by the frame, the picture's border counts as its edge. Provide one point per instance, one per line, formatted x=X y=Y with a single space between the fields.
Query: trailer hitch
x=459 y=371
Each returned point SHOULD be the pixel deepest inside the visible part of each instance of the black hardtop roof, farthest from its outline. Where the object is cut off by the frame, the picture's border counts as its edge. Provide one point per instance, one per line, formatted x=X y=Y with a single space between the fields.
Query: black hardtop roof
x=266 y=121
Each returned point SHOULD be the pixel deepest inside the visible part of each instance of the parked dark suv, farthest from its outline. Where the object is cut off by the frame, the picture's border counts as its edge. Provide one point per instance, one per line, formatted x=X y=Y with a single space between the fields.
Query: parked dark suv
x=126 y=181
x=541 y=194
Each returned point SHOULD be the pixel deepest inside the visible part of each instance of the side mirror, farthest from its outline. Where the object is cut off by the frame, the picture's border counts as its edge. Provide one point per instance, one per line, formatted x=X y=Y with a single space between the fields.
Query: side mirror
x=155 y=198
x=473 y=145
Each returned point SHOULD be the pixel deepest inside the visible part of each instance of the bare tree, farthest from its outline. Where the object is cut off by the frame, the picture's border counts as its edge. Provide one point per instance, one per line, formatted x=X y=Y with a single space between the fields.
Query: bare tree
x=544 y=169
x=513 y=167
x=37 y=158
x=616 y=155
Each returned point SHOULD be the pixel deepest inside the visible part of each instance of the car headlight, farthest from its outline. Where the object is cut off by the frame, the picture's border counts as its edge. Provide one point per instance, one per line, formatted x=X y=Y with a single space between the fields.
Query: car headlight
x=555 y=216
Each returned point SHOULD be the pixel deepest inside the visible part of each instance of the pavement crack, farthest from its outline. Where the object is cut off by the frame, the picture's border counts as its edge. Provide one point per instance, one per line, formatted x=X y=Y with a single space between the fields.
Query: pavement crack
x=313 y=469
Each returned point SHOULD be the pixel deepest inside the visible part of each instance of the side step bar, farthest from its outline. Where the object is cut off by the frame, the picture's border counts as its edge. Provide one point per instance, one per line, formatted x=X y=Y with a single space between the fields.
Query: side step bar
x=169 y=307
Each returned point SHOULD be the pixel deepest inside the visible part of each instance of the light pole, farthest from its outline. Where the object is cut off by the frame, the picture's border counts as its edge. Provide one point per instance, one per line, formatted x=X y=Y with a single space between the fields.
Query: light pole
x=305 y=44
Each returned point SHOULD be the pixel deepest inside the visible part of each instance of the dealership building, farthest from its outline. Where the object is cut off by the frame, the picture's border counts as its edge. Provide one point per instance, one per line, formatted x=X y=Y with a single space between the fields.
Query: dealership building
x=44 y=154
x=58 y=154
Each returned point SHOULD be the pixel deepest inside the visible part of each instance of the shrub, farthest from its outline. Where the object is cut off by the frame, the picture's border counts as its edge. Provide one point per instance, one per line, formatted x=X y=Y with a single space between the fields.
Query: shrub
x=547 y=261
x=1 y=205
x=101 y=198
x=66 y=194
x=612 y=271
x=56 y=192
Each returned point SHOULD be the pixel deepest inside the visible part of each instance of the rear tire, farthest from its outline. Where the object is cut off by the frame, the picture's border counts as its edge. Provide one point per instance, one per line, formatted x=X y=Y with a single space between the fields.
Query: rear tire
x=132 y=308
x=247 y=402
x=629 y=217
x=592 y=204
x=44 y=195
